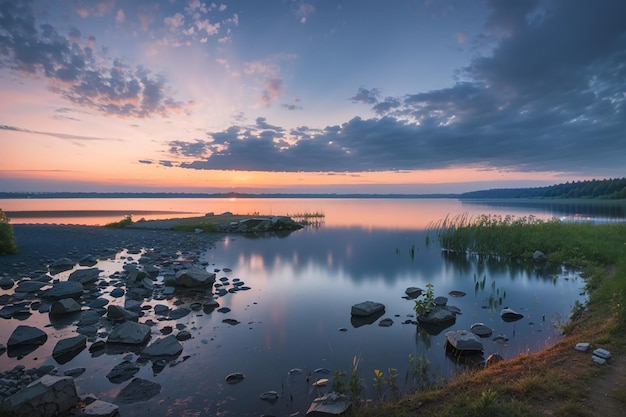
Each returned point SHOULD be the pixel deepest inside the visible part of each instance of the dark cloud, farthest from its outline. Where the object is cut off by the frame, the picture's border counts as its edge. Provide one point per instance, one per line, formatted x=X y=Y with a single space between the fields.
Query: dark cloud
x=74 y=71
x=547 y=95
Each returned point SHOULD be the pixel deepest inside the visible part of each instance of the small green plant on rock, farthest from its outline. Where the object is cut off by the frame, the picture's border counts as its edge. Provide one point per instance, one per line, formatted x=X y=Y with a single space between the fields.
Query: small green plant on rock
x=7 y=238
x=426 y=302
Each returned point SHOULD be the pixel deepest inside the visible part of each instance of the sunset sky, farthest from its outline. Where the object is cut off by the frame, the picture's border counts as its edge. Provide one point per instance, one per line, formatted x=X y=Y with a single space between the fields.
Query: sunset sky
x=355 y=96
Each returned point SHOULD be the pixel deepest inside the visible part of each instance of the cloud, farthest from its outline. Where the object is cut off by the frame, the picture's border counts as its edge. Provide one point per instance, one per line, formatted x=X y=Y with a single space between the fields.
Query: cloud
x=75 y=72
x=303 y=11
x=546 y=94
x=63 y=136
x=273 y=90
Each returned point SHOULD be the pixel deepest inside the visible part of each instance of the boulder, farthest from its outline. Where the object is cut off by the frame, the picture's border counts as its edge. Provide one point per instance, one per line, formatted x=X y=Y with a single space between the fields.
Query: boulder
x=99 y=408
x=462 y=341
x=123 y=371
x=88 y=318
x=117 y=313
x=64 y=306
x=26 y=335
x=539 y=256
x=66 y=349
x=437 y=315
x=138 y=390
x=29 y=286
x=63 y=289
x=129 y=332
x=6 y=283
x=85 y=276
x=48 y=396
x=194 y=277
x=88 y=260
x=367 y=308
x=481 y=330
x=60 y=265
x=331 y=404
x=166 y=346
x=413 y=292
x=508 y=314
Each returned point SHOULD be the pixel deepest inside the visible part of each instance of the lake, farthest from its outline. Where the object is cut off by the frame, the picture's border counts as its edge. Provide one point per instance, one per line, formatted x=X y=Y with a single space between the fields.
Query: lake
x=296 y=313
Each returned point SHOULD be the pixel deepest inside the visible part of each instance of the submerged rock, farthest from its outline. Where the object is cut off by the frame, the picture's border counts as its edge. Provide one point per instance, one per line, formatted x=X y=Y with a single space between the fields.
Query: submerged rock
x=508 y=314
x=235 y=378
x=138 y=390
x=166 y=346
x=481 y=330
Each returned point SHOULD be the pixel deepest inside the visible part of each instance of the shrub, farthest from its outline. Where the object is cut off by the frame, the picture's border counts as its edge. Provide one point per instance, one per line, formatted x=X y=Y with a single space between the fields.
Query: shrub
x=127 y=221
x=7 y=238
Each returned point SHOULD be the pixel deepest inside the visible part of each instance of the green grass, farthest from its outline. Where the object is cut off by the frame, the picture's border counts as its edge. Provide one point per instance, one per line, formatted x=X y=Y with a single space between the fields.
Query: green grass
x=126 y=221
x=7 y=238
x=557 y=380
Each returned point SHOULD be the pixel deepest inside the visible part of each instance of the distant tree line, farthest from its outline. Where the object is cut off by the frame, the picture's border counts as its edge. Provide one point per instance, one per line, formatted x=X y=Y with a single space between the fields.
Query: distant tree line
x=612 y=189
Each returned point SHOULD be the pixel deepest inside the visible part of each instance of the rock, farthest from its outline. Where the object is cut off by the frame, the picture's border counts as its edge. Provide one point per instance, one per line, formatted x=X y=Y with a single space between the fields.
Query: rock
x=29 y=286
x=117 y=293
x=88 y=260
x=385 y=322
x=441 y=301
x=481 y=330
x=98 y=303
x=232 y=322
x=437 y=315
x=117 y=313
x=66 y=349
x=178 y=313
x=539 y=256
x=270 y=396
x=493 y=359
x=183 y=335
x=48 y=396
x=602 y=353
x=64 y=306
x=123 y=371
x=598 y=359
x=74 y=372
x=130 y=332
x=413 y=292
x=88 y=318
x=234 y=378
x=462 y=341
x=167 y=346
x=60 y=265
x=331 y=404
x=457 y=294
x=64 y=289
x=367 y=308
x=582 y=347
x=99 y=408
x=85 y=276
x=508 y=314
x=26 y=335
x=322 y=382
x=138 y=390
x=6 y=283
x=194 y=277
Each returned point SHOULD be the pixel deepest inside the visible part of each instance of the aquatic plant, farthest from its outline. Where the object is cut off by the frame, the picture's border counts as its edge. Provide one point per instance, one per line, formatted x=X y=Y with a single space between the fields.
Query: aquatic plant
x=427 y=300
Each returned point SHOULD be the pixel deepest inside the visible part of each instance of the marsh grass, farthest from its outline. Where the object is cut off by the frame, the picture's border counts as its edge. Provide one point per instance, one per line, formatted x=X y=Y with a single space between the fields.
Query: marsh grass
x=7 y=238
x=558 y=380
x=126 y=221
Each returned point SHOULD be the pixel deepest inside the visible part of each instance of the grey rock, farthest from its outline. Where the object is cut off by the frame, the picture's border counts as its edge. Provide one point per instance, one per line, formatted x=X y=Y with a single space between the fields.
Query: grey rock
x=508 y=314
x=463 y=341
x=367 y=308
x=48 y=396
x=129 y=332
x=413 y=292
x=88 y=317
x=88 y=260
x=138 y=390
x=331 y=404
x=60 y=265
x=6 y=283
x=117 y=313
x=64 y=306
x=123 y=371
x=385 y=322
x=85 y=276
x=99 y=408
x=539 y=256
x=194 y=277
x=481 y=330
x=29 y=286
x=27 y=335
x=166 y=346
x=66 y=349
x=64 y=289
x=437 y=315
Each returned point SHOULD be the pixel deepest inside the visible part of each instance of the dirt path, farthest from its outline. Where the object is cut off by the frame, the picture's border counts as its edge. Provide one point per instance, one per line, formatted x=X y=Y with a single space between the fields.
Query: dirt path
x=603 y=399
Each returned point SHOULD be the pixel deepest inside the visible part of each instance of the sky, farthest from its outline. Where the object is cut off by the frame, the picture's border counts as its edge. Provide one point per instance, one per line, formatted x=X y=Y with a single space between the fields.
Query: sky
x=360 y=96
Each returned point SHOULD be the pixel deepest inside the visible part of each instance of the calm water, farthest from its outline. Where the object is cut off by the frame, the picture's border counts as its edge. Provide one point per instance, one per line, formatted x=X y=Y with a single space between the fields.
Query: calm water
x=301 y=289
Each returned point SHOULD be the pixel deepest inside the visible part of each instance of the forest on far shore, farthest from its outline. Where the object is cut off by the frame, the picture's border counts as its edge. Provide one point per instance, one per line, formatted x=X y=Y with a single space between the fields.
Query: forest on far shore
x=611 y=189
